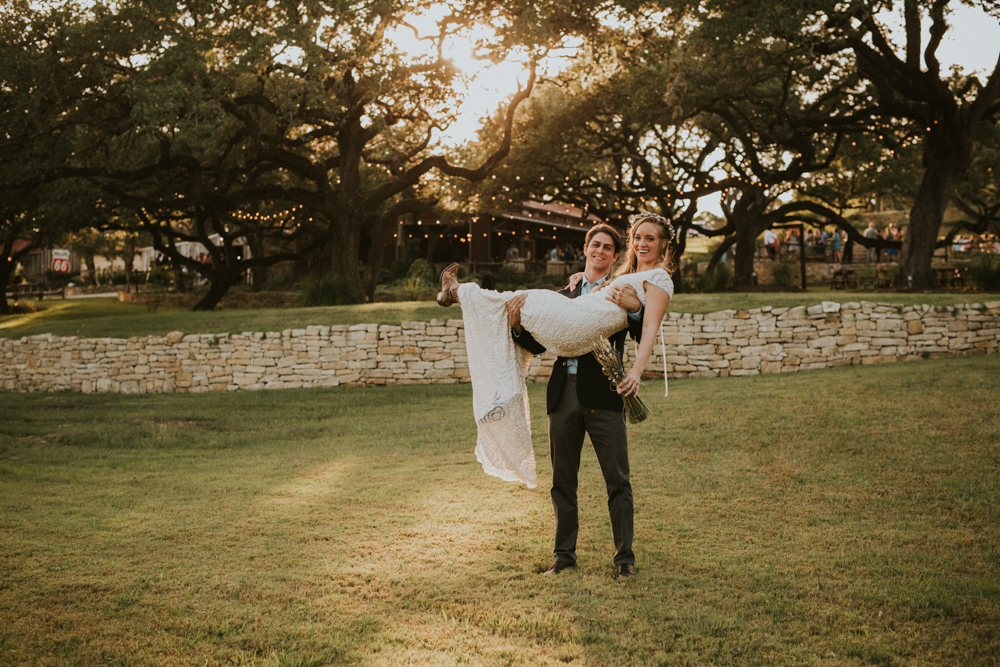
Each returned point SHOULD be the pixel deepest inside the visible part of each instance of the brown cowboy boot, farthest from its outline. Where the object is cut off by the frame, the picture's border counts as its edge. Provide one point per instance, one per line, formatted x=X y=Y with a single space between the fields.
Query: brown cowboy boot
x=449 y=286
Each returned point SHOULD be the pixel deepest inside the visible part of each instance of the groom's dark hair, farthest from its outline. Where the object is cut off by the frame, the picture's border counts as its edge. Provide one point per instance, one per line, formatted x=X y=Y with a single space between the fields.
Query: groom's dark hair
x=604 y=228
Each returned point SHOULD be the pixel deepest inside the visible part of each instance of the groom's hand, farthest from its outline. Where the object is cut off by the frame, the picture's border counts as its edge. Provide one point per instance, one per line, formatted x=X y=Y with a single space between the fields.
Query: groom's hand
x=514 y=312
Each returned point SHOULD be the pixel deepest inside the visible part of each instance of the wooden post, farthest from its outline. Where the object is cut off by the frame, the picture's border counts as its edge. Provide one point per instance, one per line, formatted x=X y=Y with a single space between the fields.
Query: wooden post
x=802 y=253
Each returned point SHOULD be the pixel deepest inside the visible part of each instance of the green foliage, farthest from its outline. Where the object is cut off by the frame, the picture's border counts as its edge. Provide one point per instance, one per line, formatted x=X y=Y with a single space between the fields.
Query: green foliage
x=401 y=266
x=889 y=273
x=716 y=280
x=783 y=273
x=984 y=272
x=55 y=278
x=330 y=290
x=508 y=279
x=119 y=277
x=160 y=276
x=415 y=282
x=420 y=271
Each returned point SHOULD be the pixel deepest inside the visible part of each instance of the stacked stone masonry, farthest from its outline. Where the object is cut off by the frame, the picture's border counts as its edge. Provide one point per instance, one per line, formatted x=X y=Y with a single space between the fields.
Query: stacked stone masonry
x=725 y=343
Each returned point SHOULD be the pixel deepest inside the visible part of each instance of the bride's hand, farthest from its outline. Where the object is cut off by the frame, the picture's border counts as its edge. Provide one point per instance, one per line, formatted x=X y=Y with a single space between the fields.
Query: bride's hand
x=574 y=281
x=625 y=297
x=630 y=385
x=514 y=311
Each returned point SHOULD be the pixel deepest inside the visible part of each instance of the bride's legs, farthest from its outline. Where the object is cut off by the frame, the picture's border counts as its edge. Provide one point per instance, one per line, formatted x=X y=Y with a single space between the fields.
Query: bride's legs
x=449 y=286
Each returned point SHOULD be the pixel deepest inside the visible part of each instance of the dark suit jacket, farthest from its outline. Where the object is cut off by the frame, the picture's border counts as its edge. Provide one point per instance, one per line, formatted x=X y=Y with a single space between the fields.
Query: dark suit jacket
x=593 y=388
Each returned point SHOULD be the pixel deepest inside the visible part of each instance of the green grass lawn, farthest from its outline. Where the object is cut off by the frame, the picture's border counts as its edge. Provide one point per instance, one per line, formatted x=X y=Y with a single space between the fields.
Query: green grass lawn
x=108 y=318
x=843 y=517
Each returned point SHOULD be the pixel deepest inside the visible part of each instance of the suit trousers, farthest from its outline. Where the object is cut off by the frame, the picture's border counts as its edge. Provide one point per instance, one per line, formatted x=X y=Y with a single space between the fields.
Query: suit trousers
x=568 y=424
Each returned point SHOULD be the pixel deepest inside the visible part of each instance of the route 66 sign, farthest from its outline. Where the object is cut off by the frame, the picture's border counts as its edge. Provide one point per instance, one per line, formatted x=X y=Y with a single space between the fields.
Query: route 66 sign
x=60 y=261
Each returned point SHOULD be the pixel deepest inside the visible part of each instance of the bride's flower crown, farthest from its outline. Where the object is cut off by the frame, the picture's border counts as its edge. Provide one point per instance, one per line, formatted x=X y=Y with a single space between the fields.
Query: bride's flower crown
x=645 y=216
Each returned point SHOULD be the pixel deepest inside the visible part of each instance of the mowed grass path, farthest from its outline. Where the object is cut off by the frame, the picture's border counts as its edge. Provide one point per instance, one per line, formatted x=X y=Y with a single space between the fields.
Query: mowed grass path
x=842 y=517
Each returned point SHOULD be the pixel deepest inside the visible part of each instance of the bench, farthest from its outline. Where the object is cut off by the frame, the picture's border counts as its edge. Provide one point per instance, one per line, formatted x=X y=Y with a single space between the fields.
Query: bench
x=950 y=276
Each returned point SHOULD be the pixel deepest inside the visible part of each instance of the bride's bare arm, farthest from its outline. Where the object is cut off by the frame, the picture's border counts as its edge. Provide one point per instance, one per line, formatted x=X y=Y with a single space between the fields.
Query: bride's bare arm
x=657 y=301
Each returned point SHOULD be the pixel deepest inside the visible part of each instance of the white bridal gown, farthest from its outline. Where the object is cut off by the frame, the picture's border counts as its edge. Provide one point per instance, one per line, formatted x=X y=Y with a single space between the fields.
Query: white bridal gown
x=568 y=327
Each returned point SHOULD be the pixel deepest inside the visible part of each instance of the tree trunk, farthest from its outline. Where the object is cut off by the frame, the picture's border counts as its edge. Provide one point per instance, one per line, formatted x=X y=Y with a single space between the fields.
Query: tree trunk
x=258 y=274
x=217 y=289
x=947 y=156
x=376 y=251
x=6 y=271
x=180 y=283
x=88 y=260
x=746 y=251
x=344 y=259
x=745 y=218
x=129 y=259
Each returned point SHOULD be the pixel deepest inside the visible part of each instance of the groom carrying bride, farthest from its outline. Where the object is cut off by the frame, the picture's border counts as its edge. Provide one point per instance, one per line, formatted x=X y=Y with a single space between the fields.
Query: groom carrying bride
x=581 y=400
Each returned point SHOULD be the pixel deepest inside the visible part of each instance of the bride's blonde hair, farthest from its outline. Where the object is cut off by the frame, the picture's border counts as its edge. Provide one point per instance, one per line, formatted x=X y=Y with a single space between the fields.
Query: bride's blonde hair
x=666 y=231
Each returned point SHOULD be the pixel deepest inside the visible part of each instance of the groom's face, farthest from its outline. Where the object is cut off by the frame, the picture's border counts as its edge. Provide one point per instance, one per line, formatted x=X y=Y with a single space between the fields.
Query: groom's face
x=600 y=253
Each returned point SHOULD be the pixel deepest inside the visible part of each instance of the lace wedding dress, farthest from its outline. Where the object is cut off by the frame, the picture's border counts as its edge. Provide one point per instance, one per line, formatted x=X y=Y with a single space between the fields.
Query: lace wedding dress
x=568 y=327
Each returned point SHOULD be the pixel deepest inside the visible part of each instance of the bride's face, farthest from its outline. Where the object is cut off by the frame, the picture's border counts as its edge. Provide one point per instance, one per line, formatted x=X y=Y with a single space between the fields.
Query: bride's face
x=647 y=243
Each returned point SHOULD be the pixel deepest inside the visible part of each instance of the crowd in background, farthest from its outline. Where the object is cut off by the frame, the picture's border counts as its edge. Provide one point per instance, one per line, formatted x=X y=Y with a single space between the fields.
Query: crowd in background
x=837 y=247
x=970 y=243
x=834 y=245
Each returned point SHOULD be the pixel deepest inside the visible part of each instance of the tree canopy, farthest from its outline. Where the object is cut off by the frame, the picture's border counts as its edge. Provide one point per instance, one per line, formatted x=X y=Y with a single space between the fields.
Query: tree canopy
x=270 y=130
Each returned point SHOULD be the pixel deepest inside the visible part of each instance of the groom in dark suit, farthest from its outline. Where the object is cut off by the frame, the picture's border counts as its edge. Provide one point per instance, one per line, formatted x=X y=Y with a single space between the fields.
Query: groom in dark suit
x=580 y=399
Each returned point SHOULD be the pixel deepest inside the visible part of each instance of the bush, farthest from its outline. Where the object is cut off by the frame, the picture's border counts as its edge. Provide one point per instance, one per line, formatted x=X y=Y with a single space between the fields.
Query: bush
x=278 y=281
x=984 y=273
x=401 y=267
x=508 y=279
x=782 y=272
x=420 y=271
x=716 y=280
x=160 y=275
x=54 y=278
x=330 y=290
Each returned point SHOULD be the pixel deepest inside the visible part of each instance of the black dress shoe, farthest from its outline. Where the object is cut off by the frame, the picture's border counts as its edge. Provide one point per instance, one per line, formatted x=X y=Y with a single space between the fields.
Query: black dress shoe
x=626 y=571
x=558 y=567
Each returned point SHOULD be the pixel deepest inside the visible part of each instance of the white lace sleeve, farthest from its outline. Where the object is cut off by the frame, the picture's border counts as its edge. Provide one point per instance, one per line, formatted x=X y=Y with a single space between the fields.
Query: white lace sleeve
x=661 y=279
x=657 y=277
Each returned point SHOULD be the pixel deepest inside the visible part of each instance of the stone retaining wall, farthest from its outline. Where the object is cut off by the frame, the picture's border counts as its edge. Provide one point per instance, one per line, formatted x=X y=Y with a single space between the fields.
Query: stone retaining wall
x=765 y=340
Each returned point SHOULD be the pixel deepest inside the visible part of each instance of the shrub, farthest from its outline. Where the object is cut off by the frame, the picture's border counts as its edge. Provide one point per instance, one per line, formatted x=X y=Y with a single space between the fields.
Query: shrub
x=420 y=271
x=984 y=273
x=54 y=278
x=508 y=279
x=716 y=280
x=160 y=275
x=330 y=290
x=399 y=269
x=278 y=281
x=782 y=272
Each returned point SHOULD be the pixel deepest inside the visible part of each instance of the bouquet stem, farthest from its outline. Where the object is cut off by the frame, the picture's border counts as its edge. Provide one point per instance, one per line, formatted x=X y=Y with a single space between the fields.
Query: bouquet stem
x=636 y=409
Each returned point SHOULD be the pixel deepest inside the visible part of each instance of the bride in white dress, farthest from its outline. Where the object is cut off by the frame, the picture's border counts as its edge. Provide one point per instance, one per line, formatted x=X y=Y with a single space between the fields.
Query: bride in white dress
x=569 y=327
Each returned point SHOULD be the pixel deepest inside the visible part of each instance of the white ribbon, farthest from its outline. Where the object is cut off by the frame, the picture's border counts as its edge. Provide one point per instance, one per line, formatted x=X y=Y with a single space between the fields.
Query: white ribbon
x=663 y=351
